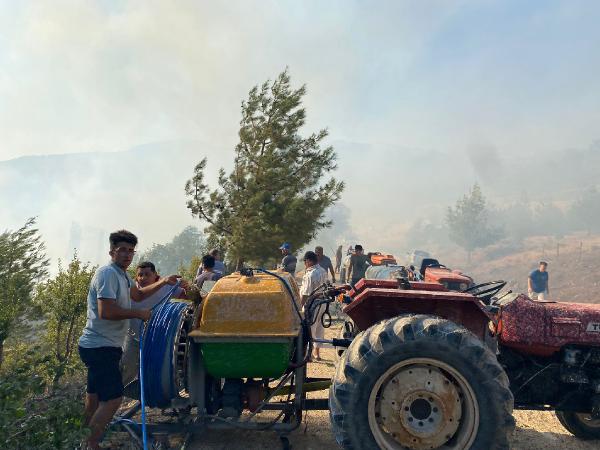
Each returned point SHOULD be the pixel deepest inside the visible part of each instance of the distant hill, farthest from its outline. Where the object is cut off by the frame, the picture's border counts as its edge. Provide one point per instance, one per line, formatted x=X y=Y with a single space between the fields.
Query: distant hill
x=80 y=197
x=573 y=265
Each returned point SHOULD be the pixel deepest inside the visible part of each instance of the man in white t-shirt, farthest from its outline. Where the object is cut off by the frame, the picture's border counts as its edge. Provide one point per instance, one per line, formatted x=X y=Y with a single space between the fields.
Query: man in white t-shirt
x=314 y=276
x=145 y=275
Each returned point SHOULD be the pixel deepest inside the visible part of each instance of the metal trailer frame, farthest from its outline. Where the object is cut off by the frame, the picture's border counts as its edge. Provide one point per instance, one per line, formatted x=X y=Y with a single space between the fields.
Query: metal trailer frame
x=190 y=423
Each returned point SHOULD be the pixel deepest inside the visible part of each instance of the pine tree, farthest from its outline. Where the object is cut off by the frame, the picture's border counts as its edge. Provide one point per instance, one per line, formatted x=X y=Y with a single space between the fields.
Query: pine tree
x=280 y=185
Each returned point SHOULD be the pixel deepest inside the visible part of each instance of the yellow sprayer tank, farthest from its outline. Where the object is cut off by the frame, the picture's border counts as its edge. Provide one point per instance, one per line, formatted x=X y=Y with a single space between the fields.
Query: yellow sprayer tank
x=248 y=326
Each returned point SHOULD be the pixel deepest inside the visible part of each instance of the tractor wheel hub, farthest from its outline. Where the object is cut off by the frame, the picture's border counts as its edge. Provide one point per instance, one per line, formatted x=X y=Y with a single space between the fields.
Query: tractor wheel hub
x=420 y=407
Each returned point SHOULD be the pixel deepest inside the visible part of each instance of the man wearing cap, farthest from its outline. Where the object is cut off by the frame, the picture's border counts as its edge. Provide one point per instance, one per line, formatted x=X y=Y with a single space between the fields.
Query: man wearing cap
x=314 y=277
x=288 y=263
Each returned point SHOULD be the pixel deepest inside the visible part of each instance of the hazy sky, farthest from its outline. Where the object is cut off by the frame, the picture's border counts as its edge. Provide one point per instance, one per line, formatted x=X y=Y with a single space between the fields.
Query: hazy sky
x=107 y=75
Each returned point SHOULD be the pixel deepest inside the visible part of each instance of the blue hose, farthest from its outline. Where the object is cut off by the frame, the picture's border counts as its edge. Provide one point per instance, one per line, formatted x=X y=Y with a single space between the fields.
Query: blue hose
x=154 y=342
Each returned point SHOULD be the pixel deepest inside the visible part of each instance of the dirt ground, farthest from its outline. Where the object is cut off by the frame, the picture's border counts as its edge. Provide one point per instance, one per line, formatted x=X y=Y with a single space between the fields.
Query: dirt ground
x=535 y=430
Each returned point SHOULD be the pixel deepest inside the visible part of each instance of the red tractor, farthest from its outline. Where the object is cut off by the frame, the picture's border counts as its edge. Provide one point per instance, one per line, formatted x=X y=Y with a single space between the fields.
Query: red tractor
x=431 y=368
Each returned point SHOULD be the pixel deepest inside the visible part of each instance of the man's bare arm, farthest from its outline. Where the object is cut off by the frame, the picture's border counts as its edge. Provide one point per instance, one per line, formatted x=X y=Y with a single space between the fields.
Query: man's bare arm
x=109 y=310
x=139 y=294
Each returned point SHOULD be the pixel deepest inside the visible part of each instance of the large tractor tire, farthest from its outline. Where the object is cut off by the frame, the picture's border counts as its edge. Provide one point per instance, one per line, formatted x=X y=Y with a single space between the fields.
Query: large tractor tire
x=580 y=425
x=420 y=382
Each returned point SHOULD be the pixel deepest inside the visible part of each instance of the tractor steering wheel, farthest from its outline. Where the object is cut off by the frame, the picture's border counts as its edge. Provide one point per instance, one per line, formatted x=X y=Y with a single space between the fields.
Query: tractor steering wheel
x=485 y=291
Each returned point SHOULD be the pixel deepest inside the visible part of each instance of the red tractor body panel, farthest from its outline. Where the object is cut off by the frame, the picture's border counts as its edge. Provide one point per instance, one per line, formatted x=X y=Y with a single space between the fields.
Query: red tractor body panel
x=543 y=328
x=376 y=300
x=393 y=284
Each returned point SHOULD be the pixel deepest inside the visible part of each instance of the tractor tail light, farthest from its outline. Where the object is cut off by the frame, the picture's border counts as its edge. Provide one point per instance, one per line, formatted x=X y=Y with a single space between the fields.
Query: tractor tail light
x=499 y=327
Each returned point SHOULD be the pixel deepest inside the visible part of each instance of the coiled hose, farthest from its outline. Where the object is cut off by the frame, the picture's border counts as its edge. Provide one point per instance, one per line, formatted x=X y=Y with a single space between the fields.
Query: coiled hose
x=158 y=345
x=156 y=341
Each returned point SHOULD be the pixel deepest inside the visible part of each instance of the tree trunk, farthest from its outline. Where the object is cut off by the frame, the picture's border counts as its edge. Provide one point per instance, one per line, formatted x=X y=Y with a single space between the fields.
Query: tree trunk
x=1 y=352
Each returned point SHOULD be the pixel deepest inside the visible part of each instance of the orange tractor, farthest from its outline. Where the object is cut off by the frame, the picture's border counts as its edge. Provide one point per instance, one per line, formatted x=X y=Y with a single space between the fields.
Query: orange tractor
x=434 y=272
x=381 y=259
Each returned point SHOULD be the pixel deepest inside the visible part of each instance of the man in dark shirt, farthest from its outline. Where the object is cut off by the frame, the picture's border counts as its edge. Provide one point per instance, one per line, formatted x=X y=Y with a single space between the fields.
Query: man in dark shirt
x=537 y=283
x=289 y=261
x=325 y=262
x=358 y=265
x=338 y=259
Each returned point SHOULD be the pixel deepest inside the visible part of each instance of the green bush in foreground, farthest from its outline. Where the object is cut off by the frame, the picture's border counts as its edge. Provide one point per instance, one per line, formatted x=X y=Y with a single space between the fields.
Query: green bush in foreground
x=31 y=415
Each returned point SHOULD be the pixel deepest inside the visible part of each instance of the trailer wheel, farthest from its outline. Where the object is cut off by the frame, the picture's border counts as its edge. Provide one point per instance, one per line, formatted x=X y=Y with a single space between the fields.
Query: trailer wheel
x=420 y=382
x=580 y=425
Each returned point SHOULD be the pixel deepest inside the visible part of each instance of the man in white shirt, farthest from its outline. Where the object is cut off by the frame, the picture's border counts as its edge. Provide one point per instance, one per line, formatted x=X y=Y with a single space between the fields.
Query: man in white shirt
x=314 y=276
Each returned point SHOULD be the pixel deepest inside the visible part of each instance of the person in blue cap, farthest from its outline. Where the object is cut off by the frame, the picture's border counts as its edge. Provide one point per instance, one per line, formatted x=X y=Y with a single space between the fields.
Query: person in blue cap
x=288 y=263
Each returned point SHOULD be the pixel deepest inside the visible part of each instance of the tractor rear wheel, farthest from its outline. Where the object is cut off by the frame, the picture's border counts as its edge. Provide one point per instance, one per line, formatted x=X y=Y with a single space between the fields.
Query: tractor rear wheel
x=420 y=382
x=580 y=425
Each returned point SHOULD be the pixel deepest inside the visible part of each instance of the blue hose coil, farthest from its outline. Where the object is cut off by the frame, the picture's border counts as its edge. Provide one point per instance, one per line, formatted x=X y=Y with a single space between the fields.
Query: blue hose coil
x=159 y=344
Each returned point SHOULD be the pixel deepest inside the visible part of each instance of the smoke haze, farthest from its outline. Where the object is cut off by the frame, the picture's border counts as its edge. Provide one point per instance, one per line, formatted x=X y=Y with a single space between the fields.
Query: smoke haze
x=106 y=106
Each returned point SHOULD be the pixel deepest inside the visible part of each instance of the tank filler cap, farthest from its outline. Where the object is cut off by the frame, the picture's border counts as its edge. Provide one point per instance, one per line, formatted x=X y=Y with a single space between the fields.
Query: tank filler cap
x=246 y=272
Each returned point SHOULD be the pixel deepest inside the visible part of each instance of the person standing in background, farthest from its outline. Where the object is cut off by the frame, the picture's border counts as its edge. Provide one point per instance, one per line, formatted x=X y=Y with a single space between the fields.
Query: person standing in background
x=206 y=271
x=358 y=265
x=325 y=262
x=346 y=264
x=537 y=282
x=338 y=259
x=289 y=261
x=314 y=276
x=219 y=268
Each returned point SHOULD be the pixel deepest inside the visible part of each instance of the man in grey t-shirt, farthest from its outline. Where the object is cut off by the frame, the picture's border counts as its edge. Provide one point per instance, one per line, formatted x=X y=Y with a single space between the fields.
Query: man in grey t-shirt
x=100 y=345
x=289 y=261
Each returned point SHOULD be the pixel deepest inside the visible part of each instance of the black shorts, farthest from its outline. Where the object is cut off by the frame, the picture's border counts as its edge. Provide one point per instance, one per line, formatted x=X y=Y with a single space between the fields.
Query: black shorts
x=104 y=375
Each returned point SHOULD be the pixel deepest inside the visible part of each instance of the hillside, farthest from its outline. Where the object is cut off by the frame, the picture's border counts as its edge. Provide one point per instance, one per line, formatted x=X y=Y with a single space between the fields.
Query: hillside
x=573 y=264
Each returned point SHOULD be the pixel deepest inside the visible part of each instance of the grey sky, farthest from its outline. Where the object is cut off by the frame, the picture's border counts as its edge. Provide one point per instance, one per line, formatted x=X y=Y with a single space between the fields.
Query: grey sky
x=107 y=75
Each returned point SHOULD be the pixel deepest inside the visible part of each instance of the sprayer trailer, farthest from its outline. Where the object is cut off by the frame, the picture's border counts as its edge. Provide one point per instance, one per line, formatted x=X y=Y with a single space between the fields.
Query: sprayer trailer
x=426 y=367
